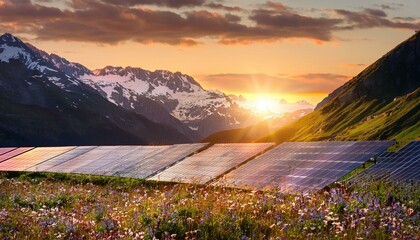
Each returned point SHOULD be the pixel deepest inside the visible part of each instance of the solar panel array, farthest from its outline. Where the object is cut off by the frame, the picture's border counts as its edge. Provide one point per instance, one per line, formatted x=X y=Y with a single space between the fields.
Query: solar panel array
x=5 y=150
x=52 y=164
x=211 y=163
x=29 y=158
x=303 y=166
x=127 y=161
x=160 y=160
x=401 y=165
x=291 y=167
x=9 y=154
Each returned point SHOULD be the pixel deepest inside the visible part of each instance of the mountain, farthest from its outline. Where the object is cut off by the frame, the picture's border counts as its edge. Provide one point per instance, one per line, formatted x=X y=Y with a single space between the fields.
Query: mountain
x=382 y=102
x=253 y=133
x=167 y=102
x=171 y=98
x=42 y=102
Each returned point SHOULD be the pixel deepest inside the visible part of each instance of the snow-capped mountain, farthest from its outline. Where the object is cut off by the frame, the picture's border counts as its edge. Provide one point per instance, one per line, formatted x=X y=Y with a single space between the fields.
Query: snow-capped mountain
x=175 y=100
x=177 y=93
x=40 y=104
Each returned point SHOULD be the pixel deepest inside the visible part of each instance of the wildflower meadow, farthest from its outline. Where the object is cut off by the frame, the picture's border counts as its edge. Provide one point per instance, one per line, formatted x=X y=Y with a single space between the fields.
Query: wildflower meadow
x=64 y=206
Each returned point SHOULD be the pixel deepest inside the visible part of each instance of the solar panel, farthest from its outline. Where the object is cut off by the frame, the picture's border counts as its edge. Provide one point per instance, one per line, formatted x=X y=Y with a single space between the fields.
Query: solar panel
x=98 y=157
x=13 y=153
x=77 y=164
x=30 y=158
x=5 y=150
x=302 y=166
x=64 y=163
x=51 y=165
x=150 y=163
x=124 y=164
x=401 y=165
x=211 y=163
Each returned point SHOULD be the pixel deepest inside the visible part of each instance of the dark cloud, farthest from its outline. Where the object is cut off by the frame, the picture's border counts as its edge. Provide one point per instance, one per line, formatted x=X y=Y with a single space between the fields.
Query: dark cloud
x=112 y=21
x=220 y=6
x=391 y=6
x=165 y=3
x=407 y=19
x=262 y=83
x=289 y=24
x=370 y=19
x=375 y=12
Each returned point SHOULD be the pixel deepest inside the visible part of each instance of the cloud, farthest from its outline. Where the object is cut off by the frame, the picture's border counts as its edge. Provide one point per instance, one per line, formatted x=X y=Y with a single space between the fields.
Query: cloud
x=165 y=3
x=112 y=22
x=289 y=24
x=370 y=18
x=267 y=84
x=391 y=6
x=220 y=6
x=356 y=65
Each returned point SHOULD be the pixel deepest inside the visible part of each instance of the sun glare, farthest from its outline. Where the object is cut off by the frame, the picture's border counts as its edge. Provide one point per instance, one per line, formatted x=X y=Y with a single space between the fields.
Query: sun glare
x=265 y=105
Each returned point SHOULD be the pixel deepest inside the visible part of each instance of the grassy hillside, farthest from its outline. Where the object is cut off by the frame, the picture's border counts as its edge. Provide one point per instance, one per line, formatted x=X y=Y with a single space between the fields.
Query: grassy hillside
x=382 y=102
x=60 y=206
x=363 y=120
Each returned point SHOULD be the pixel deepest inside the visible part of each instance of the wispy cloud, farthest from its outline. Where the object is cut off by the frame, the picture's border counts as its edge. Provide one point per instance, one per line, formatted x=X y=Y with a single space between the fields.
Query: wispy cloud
x=112 y=21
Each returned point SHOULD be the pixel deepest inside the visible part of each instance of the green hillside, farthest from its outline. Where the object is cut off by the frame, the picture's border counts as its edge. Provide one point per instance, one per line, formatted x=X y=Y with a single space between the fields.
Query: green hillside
x=382 y=102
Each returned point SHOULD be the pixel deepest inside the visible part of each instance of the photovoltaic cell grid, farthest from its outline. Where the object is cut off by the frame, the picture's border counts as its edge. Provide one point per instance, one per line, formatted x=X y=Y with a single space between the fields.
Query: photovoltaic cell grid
x=303 y=166
x=211 y=163
x=160 y=160
x=52 y=165
x=87 y=158
x=30 y=158
x=126 y=163
x=401 y=165
x=13 y=153
x=5 y=150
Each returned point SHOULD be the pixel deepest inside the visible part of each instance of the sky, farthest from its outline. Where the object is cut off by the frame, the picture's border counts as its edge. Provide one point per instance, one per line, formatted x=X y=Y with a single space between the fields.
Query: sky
x=290 y=49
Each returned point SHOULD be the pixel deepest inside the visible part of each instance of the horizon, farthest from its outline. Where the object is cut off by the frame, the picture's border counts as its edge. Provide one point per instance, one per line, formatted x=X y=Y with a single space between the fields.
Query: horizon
x=292 y=50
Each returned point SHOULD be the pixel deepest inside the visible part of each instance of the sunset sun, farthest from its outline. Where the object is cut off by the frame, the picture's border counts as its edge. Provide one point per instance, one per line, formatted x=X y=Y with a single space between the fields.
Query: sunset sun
x=264 y=105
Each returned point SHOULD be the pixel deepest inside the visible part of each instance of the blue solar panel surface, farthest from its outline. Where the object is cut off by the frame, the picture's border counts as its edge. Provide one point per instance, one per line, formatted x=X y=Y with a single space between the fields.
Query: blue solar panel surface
x=303 y=166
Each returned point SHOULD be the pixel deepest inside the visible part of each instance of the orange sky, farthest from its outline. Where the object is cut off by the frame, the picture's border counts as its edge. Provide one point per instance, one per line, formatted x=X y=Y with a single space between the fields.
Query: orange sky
x=282 y=49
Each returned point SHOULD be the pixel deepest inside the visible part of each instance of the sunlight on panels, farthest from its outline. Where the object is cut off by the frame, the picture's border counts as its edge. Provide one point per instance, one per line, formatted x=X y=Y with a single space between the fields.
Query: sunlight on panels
x=160 y=160
x=211 y=163
x=13 y=153
x=124 y=163
x=30 y=158
x=75 y=164
x=52 y=165
x=5 y=150
x=302 y=166
x=99 y=157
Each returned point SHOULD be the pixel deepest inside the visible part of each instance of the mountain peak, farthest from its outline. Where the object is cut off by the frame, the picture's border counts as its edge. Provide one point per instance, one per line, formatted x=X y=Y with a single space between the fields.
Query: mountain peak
x=9 y=38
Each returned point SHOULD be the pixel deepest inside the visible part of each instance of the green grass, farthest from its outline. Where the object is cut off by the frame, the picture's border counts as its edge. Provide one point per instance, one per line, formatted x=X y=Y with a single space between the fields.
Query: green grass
x=66 y=206
x=362 y=120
